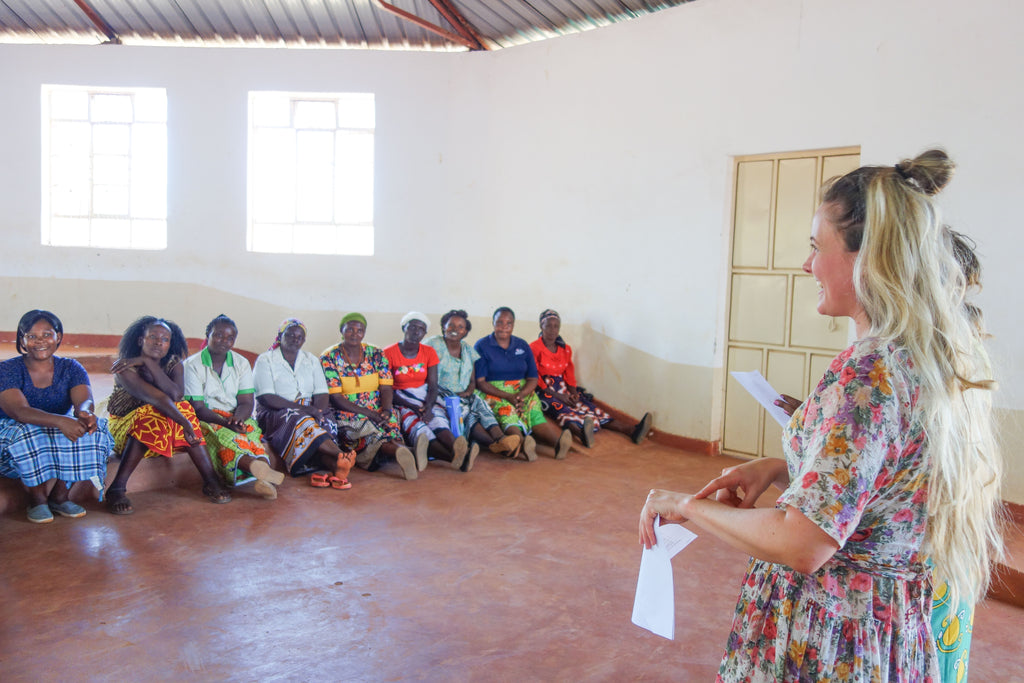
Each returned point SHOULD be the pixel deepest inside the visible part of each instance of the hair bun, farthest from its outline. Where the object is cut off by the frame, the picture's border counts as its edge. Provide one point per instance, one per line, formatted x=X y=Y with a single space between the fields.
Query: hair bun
x=930 y=171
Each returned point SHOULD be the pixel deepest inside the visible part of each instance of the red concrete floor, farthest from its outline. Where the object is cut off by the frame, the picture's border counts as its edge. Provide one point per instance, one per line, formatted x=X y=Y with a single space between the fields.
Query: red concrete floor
x=512 y=572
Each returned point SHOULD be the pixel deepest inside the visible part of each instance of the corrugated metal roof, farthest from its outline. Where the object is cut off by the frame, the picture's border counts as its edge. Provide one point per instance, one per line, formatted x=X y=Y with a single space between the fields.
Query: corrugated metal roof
x=312 y=23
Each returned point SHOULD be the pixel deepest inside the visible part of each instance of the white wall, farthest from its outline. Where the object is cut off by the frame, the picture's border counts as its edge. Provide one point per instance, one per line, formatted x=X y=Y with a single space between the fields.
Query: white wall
x=590 y=173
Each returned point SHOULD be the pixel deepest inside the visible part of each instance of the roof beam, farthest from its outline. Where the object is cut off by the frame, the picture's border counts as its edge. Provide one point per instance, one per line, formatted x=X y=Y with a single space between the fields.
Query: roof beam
x=99 y=22
x=459 y=22
x=470 y=43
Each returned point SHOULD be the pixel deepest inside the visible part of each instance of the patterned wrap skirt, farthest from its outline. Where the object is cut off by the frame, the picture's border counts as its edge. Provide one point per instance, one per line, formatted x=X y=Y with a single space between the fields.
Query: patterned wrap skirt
x=507 y=414
x=161 y=435
x=38 y=454
x=390 y=431
x=412 y=424
x=567 y=414
x=295 y=436
x=226 y=447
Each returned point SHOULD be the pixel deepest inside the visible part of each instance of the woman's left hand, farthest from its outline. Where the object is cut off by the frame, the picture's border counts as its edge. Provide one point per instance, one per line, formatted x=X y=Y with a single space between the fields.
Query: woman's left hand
x=668 y=504
x=87 y=419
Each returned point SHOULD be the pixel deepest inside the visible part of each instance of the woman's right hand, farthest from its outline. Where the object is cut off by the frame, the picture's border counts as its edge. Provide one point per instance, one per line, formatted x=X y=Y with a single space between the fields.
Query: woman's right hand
x=751 y=479
x=71 y=428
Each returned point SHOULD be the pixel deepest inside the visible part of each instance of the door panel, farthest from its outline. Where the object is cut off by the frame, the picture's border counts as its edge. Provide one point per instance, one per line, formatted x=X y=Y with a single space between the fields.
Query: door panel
x=753 y=213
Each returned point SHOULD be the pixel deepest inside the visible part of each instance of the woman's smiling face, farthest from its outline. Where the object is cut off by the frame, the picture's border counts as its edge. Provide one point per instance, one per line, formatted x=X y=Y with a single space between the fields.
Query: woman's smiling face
x=832 y=267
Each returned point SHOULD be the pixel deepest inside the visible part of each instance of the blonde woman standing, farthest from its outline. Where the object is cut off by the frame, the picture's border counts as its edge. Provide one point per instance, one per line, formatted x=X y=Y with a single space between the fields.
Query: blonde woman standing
x=890 y=463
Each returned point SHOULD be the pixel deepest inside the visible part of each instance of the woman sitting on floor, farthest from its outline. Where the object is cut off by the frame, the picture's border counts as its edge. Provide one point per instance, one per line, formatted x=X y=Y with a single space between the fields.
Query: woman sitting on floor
x=39 y=440
x=219 y=385
x=293 y=411
x=148 y=416
x=455 y=377
x=506 y=375
x=359 y=380
x=422 y=416
x=562 y=399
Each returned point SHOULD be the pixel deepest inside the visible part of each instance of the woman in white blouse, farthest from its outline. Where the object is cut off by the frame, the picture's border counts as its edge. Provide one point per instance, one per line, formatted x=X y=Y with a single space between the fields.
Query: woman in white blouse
x=291 y=397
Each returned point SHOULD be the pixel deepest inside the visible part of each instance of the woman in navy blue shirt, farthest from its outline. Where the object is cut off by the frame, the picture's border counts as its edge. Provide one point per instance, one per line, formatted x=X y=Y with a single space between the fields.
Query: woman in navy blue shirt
x=506 y=376
x=47 y=426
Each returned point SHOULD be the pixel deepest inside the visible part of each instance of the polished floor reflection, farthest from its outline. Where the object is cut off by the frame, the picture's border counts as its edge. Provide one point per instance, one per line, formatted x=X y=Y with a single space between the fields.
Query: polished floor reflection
x=514 y=571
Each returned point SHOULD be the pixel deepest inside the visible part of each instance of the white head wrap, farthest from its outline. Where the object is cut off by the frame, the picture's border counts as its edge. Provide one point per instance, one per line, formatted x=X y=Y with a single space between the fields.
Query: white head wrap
x=415 y=315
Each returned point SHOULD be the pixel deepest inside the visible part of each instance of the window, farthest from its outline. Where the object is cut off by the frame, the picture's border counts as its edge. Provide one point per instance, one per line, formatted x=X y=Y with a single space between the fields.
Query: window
x=104 y=167
x=311 y=173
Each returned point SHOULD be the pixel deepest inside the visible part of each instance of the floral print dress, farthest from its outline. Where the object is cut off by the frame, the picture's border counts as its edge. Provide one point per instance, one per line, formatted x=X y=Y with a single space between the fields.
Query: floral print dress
x=857 y=470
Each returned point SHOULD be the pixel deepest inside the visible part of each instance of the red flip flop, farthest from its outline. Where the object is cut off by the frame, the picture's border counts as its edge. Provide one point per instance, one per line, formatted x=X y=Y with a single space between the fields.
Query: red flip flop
x=339 y=483
x=320 y=480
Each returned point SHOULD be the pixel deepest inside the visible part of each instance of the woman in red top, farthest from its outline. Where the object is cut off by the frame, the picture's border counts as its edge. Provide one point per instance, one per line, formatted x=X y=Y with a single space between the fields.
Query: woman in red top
x=561 y=398
x=423 y=417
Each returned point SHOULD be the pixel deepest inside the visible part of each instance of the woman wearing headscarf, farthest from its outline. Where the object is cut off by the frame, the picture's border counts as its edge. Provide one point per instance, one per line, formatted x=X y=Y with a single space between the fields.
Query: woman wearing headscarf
x=360 y=384
x=560 y=396
x=293 y=411
x=420 y=412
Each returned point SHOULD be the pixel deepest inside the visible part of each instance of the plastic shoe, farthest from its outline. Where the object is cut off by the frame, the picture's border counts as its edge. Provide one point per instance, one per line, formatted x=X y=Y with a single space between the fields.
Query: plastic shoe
x=588 y=431
x=67 y=509
x=459 y=450
x=407 y=461
x=530 y=448
x=641 y=429
x=40 y=514
x=563 y=445
x=474 y=450
x=264 y=472
x=422 y=444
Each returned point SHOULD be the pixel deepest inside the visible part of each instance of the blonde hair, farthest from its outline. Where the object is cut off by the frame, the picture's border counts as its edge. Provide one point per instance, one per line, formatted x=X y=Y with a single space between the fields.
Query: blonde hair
x=911 y=278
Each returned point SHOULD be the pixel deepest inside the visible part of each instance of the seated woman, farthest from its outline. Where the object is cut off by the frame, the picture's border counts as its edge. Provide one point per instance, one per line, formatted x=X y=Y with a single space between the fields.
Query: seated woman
x=219 y=385
x=148 y=417
x=47 y=426
x=455 y=377
x=561 y=398
x=507 y=375
x=422 y=416
x=359 y=381
x=293 y=411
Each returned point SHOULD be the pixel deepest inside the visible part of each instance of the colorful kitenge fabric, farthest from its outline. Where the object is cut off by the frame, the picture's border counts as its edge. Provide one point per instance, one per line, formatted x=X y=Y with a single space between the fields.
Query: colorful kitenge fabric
x=360 y=383
x=38 y=454
x=859 y=472
x=226 y=447
x=952 y=624
x=158 y=433
x=295 y=436
x=567 y=414
x=508 y=415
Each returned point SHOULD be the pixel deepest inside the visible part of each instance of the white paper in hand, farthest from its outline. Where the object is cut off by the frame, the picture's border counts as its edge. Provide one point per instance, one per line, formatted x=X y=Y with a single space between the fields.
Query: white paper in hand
x=758 y=386
x=654 y=607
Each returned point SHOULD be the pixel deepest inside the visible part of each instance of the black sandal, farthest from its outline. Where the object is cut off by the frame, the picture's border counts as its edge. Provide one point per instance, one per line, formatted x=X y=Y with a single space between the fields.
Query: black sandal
x=118 y=502
x=216 y=493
